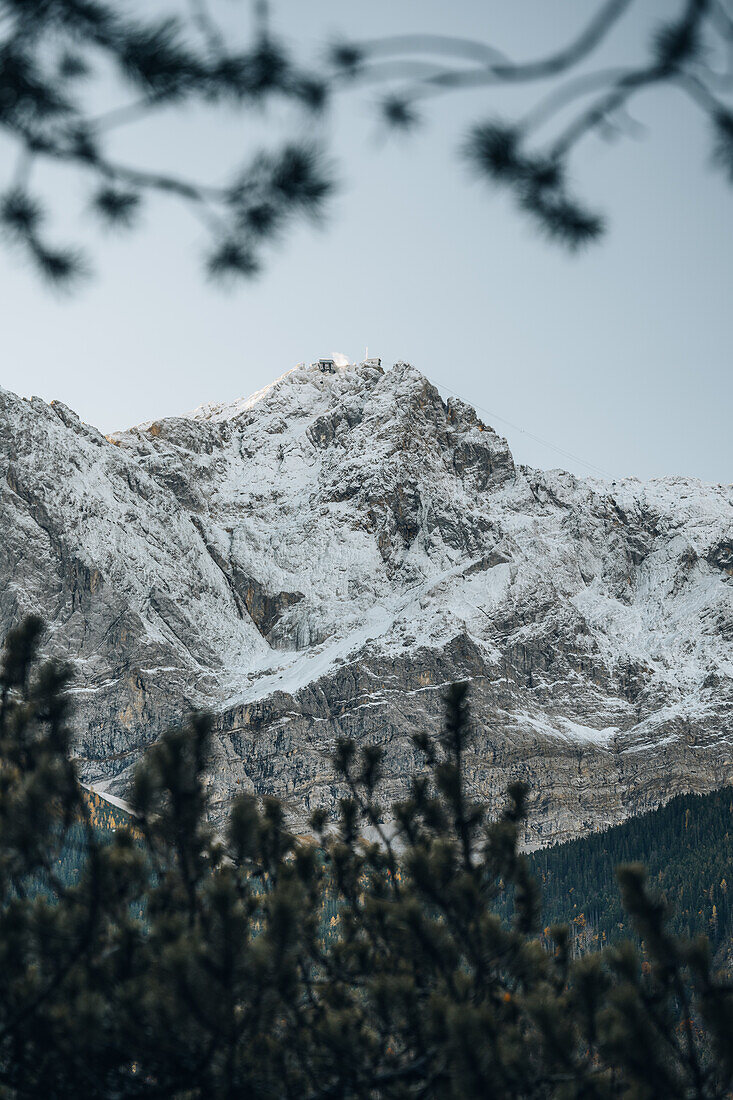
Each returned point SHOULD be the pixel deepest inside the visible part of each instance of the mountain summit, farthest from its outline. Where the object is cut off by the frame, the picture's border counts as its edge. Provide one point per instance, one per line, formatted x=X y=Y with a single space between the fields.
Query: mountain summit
x=324 y=557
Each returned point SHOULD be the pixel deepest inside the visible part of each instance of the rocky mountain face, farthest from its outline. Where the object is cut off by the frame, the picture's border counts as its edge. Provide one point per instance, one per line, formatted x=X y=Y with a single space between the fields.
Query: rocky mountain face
x=324 y=557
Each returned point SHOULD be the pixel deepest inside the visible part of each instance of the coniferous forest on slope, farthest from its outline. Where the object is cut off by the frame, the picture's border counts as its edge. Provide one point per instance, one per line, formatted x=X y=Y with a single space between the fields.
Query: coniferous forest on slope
x=687 y=847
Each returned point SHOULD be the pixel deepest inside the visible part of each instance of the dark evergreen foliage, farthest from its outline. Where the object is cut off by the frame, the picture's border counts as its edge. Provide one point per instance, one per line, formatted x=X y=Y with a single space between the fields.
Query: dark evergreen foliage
x=530 y=156
x=181 y=963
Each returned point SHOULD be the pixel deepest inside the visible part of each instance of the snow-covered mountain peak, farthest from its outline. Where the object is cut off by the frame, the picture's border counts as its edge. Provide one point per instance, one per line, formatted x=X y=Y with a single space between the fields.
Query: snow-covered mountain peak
x=323 y=556
x=306 y=387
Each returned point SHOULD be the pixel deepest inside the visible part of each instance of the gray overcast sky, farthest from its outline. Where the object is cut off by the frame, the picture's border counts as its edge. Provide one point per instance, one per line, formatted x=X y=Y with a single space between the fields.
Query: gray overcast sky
x=621 y=355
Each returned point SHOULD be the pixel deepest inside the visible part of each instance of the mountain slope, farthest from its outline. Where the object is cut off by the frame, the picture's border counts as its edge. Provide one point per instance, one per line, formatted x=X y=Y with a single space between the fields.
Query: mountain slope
x=322 y=558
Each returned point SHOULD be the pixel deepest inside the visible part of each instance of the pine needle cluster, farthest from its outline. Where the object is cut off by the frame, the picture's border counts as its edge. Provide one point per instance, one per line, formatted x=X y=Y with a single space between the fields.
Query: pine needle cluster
x=56 y=55
x=58 y=58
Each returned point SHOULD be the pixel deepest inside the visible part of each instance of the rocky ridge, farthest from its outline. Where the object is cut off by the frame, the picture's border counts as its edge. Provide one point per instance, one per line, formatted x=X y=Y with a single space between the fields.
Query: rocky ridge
x=324 y=557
